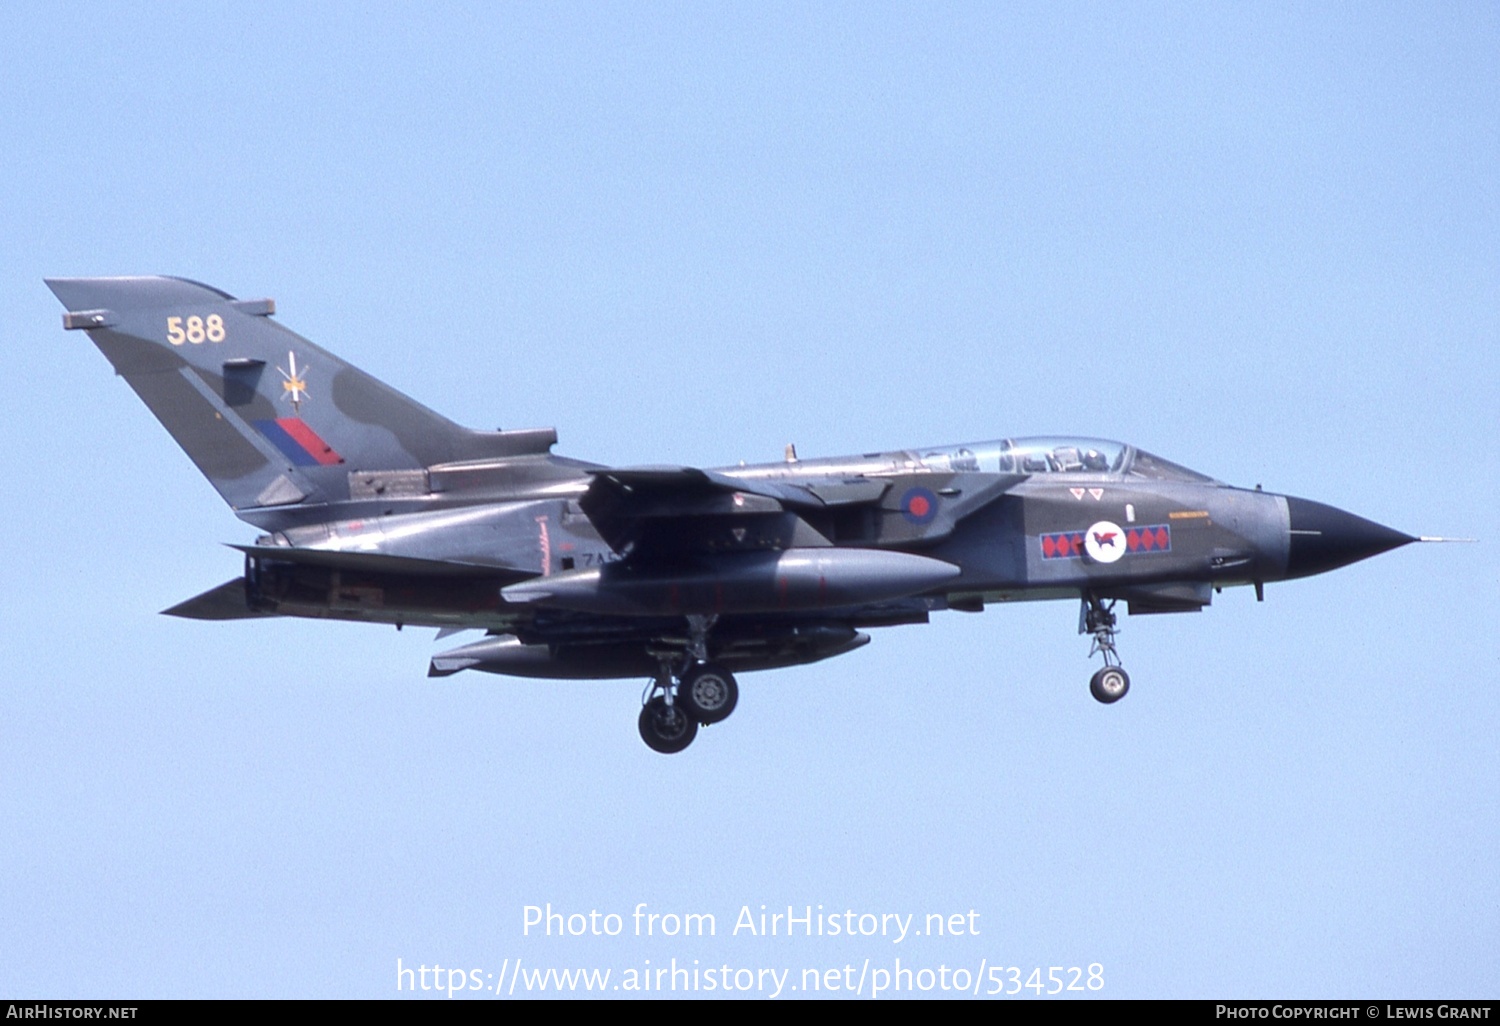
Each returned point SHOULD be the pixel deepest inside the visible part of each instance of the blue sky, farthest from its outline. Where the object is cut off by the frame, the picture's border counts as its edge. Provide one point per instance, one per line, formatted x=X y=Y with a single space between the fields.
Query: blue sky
x=1259 y=240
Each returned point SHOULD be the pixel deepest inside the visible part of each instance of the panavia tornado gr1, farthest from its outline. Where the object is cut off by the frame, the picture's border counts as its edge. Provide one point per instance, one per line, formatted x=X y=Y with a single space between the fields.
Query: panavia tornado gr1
x=375 y=508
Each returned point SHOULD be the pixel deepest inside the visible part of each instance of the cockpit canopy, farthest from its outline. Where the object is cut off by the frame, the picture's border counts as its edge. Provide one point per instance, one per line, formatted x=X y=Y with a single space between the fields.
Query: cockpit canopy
x=1092 y=456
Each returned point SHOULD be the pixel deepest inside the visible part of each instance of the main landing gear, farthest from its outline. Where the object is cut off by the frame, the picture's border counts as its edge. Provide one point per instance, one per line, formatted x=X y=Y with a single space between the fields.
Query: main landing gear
x=699 y=694
x=1111 y=682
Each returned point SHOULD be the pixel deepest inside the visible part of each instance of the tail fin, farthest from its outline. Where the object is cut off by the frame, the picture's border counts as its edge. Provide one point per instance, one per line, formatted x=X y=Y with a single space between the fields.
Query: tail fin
x=268 y=417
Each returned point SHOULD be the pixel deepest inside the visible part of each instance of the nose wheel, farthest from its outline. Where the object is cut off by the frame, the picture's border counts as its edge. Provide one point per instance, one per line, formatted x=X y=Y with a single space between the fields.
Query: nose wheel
x=1095 y=617
x=1109 y=684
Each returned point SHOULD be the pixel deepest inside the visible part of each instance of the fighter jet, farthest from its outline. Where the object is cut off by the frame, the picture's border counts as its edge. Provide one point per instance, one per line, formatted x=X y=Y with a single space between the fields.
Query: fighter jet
x=374 y=508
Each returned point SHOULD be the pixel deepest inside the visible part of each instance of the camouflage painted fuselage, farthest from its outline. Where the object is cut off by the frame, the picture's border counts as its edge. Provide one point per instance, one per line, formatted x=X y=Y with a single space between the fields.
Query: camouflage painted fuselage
x=377 y=509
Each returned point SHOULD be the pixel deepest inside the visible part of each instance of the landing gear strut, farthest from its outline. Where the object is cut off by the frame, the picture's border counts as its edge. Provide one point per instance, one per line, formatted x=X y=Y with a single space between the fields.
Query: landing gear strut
x=1110 y=683
x=687 y=691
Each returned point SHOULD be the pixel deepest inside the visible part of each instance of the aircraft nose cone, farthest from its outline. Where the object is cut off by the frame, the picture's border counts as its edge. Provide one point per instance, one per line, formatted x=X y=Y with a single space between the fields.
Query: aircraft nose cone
x=1325 y=538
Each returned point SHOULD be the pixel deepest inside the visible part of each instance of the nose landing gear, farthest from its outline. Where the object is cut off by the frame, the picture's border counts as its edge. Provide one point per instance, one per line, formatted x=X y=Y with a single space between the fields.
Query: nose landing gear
x=1111 y=682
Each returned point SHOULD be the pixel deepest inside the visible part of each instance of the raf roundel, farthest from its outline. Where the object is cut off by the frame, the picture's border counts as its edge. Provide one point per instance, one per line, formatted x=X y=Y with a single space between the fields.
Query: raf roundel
x=919 y=505
x=1104 y=542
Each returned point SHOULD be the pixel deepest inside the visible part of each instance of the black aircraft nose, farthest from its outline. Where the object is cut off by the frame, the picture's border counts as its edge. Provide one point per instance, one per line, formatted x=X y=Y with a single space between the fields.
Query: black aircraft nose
x=1325 y=538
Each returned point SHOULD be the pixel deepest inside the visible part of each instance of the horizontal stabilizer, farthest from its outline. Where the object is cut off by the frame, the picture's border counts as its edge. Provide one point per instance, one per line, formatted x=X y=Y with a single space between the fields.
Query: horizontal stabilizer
x=378 y=563
x=226 y=602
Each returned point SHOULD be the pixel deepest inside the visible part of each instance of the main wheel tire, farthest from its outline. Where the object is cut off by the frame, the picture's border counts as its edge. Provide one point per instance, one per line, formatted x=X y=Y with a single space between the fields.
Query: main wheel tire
x=709 y=693
x=666 y=728
x=1110 y=684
